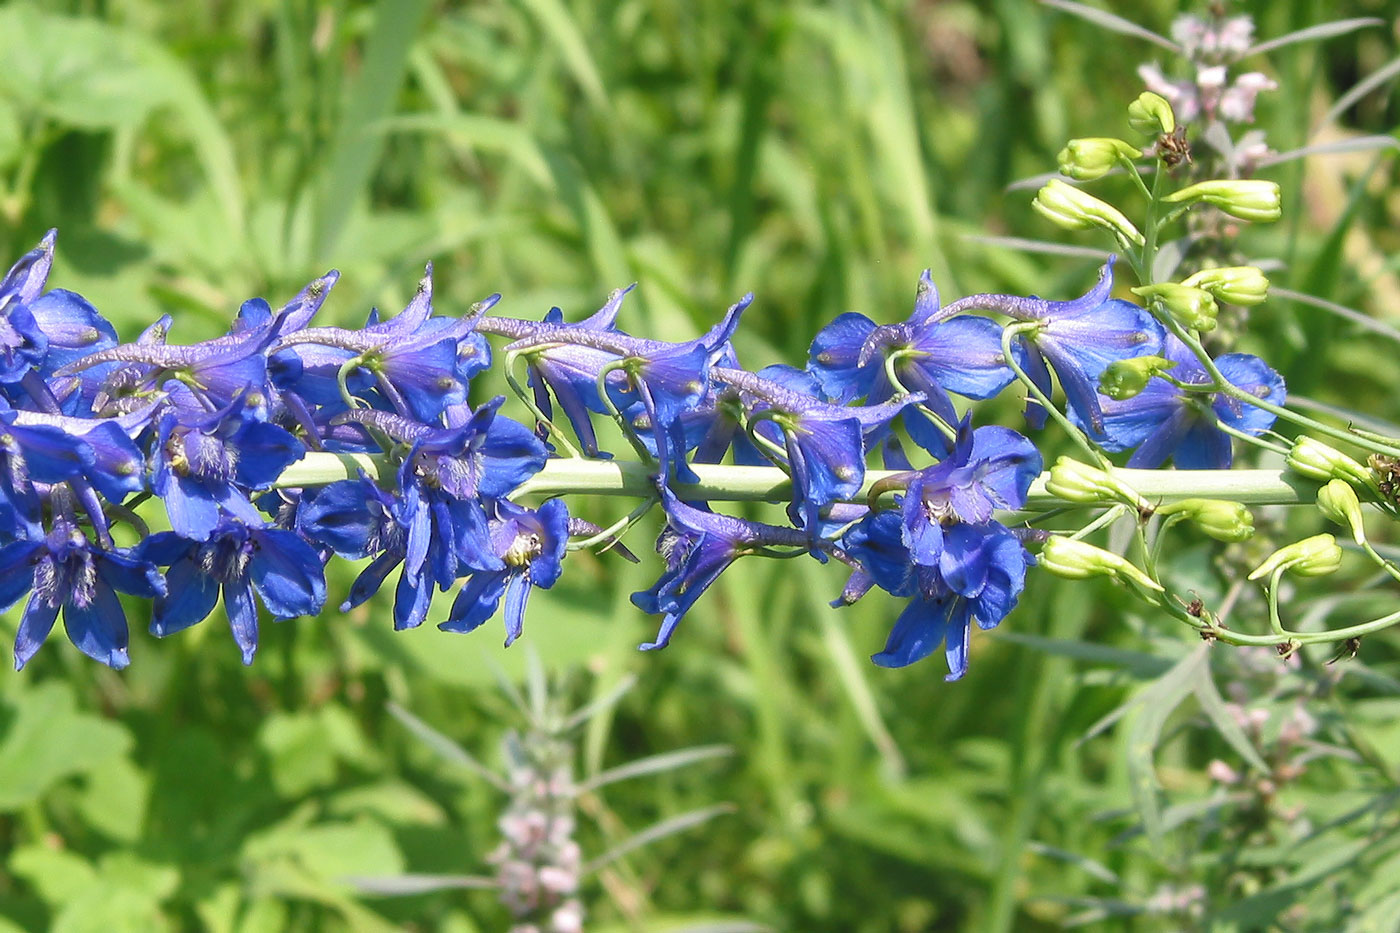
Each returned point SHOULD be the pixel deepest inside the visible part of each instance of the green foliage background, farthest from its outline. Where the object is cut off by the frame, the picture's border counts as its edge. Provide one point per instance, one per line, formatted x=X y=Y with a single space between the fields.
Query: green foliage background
x=820 y=154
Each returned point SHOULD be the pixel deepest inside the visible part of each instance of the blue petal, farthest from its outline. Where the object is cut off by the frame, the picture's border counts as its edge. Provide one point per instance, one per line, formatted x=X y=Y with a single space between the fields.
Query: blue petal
x=192 y=595
x=917 y=632
x=287 y=573
x=98 y=629
x=17 y=570
x=518 y=588
x=34 y=627
x=834 y=358
x=476 y=603
x=242 y=614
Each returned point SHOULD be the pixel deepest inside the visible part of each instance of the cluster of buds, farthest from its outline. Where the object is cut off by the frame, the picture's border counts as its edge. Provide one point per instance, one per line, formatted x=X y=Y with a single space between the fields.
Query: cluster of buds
x=538 y=862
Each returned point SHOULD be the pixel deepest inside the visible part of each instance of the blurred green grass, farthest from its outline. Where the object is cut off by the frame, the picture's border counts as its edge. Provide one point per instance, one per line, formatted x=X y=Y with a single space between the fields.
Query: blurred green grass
x=820 y=154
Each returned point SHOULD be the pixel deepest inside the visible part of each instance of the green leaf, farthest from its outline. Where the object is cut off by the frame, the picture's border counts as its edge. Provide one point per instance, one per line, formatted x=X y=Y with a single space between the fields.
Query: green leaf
x=1152 y=707
x=49 y=740
x=57 y=874
x=1226 y=725
x=115 y=800
x=328 y=851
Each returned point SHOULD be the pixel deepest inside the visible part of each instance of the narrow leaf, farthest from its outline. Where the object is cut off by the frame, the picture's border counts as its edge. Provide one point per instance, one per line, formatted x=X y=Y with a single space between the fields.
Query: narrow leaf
x=1155 y=704
x=1113 y=23
x=676 y=824
x=1214 y=706
x=401 y=885
x=654 y=764
x=598 y=704
x=1313 y=33
x=447 y=748
x=1352 y=144
x=1360 y=319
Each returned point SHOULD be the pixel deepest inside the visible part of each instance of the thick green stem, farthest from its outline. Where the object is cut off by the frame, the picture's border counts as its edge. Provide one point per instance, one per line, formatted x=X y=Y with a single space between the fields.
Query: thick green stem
x=723 y=482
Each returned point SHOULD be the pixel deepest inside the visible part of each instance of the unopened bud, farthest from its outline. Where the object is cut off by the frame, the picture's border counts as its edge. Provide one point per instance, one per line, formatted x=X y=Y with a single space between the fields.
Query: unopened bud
x=1066 y=206
x=1151 y=115
x=1084 y=484
x=1219 y=518
x=1312 y=458
x=1249 y=199
x=1338 y=502
x=1094 y=157
x=1191 y=307
x=1075 y=560
x=1124 y=379
x=1312 y=557
x=1237 y=285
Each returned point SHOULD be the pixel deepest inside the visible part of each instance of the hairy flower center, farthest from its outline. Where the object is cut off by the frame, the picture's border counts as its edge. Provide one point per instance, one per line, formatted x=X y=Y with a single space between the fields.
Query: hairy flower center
x=71 y=578
x=225 y=558
x=202 y=456
x=525 y=548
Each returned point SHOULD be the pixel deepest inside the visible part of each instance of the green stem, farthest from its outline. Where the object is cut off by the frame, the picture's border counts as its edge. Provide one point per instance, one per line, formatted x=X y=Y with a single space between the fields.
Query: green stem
x=724 y=482
x=1225 y=386
x=528 y=401
x=1007 y=335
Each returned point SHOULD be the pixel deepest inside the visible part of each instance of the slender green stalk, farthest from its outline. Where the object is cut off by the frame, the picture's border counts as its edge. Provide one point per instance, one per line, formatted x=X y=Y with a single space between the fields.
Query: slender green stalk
x=723 y=482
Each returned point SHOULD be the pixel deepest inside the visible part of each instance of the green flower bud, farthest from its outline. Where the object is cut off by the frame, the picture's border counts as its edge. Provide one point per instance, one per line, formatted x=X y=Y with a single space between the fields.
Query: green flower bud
x=1094 y=157
x=1151 y=115
x=1192 y=307
x=1081 y=483
x=1338 y=501
x=1312 y=557
x=1220 y=519
x=1249 y=199
x=1075 y=560
x=1312 y=458
x=1068 y=207
x=1123 y=379
x=1238 y=285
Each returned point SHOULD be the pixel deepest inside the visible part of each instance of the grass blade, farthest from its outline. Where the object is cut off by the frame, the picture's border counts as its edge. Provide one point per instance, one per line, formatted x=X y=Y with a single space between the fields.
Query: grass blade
x=356 y=147
x=446 y=748
x=654 y=764
x=1314 y=33
x=676 y=824
x=1113 y=23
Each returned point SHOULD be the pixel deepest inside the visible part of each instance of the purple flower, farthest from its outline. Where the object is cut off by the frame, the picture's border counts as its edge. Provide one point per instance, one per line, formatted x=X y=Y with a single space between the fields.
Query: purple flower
x=530 y=545
x=65 y=572
x=421 y=364
x=22 y=342
x=436 y=539
x=825 y=443
x=1164 y=421
x=238 y=560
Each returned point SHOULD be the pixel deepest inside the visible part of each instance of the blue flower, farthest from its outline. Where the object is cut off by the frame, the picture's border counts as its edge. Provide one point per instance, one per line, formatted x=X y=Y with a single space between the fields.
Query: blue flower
x=22 y=342
x=421 y=364
x=933 y=355
x=64 y=572
x=825 y=444
x=979 y=577
x=1080 y=339
x=1163 y=421
x=698 y=545
x=531 y=545
x=202 y=464
x=238 y=560
x=989 y=468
